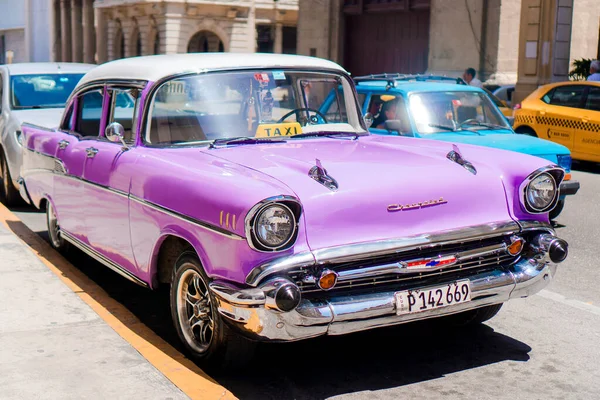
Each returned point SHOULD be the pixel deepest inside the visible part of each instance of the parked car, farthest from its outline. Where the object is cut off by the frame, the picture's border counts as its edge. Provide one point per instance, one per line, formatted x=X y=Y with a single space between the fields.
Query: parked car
x=271 y=220
x=567 y=113
x=502 y=105
x=504 y=93
x=426 y=107
x=34 y=93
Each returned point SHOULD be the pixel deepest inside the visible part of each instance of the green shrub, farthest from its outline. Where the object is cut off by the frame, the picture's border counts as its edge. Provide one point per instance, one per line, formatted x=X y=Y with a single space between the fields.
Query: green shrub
x=581 y=70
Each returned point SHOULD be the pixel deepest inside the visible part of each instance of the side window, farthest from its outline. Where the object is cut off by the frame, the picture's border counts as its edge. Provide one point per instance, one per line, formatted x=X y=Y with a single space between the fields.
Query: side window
x=124 y=107
x=89 y=114
x=67 y=121
x=567 y=96
x=361 y=99
x=593 y=99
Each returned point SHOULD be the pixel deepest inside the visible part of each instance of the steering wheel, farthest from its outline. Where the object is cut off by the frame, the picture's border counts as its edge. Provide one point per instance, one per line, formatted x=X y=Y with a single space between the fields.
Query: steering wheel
x=469 y=121
x=297 y=112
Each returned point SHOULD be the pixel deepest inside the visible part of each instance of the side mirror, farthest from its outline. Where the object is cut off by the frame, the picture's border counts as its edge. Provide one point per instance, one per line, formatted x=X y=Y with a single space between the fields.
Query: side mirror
x=115 y=133
x=368 y=118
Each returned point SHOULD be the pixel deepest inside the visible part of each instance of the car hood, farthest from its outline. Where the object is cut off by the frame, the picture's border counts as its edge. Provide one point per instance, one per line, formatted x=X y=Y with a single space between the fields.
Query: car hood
x=46 y=117
x=373 y=173
x=507 y=140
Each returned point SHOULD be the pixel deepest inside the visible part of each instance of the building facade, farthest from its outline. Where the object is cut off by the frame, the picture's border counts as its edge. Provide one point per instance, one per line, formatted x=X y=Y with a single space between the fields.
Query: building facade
x=104 y=30
x=431 y=36
x=25 y=28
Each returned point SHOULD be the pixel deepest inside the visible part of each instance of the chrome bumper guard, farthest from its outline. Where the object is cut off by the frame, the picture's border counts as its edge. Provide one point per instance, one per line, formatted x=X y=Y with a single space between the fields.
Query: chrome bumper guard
x=245 y=310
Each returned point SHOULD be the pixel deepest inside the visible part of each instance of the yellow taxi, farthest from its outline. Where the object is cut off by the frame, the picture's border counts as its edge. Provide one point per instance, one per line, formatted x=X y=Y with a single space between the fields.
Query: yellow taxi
x=501 y=104
x=567 y=113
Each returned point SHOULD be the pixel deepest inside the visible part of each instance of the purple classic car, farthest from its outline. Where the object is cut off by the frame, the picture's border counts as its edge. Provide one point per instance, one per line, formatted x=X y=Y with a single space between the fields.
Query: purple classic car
x=272 y=218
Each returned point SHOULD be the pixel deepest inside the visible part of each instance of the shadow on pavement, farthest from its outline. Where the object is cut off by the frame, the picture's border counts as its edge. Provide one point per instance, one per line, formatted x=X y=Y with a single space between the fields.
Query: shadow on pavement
x=312 y=369
x=373 y=360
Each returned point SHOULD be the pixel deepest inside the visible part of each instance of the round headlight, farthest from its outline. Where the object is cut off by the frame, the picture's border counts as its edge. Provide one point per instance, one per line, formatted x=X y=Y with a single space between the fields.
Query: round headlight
x=275 y=226
x=541 y=192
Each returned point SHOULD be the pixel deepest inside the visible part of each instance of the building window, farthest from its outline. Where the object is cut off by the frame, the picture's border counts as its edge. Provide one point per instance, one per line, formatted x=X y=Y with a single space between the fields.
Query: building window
x=265 y=42
x=289 y=40
x=138 y=44
x=2 y=50
x=157 y=43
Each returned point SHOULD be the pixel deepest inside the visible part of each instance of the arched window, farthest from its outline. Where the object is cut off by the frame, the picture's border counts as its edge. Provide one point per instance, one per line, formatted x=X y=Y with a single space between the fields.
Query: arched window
x=119 y=41
x=205 y=41
x=138 y=44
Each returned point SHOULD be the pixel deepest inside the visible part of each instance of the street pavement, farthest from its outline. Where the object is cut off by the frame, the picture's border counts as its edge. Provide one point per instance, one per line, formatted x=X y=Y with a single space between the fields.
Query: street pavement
x=54 y=346
x=543 y=347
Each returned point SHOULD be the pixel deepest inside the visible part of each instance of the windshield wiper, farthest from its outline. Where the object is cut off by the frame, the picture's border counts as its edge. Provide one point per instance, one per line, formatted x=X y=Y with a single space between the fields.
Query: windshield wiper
x=353 y=135
x=490 y=125
x=444 y=127
x=241 y=140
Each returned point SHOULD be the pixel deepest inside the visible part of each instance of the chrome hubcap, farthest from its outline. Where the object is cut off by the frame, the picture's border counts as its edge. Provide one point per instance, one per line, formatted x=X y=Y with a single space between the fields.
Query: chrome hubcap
x=194 y=310
x=53 y=228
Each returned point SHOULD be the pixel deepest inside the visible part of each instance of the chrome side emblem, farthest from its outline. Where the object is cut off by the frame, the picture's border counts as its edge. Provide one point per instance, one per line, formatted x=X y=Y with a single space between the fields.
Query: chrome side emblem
x=454 y=155
x=423 y=204
x=429 y=263
x=319 y=174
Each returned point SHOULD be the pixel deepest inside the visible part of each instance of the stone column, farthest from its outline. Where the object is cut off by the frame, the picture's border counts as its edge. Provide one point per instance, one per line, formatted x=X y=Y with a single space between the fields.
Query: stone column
x=89 y=37
x=56 y=54
x=544 y=44
x=251 y=22
x=77 y=31
x=101 y=37
x=65 y=30
x=278 y=46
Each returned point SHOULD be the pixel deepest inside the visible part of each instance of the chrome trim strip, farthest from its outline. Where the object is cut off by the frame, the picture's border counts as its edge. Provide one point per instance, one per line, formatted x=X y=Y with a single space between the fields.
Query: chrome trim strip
x=237 y=296
x=102 y=259
x=185 y=218
x=535 y=225
x=360 y=251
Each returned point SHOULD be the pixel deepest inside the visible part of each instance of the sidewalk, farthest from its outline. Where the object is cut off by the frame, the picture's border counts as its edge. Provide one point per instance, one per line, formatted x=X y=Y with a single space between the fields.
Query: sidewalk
x=54 y=346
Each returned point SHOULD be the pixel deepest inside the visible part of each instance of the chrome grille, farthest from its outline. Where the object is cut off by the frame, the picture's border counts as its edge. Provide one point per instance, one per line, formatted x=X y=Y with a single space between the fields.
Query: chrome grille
x=463 y=268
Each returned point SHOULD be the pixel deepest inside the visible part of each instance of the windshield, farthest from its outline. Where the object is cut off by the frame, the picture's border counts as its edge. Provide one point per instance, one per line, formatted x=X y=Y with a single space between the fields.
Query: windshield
x=42 y=91
x=435 y=112
x=265 y=104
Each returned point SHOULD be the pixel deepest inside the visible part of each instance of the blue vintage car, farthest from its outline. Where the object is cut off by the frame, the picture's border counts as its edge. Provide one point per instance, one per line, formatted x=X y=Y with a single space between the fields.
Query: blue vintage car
x=430 y=107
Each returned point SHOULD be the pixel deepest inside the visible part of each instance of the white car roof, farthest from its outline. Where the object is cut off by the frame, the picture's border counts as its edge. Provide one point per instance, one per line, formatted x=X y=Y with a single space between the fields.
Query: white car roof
x=47 y=68
x=153 y=68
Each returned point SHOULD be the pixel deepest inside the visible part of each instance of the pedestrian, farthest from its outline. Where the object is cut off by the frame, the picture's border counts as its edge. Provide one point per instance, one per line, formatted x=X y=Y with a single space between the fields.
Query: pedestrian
x=469 y=77
x=594 y=71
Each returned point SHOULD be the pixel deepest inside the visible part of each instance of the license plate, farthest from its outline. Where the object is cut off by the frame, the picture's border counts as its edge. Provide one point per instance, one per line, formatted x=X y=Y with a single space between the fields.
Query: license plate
x=417 y=300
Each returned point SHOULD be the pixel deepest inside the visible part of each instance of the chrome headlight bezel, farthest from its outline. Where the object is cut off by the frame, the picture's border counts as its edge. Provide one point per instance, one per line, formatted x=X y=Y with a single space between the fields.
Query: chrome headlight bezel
x=556 y=174
x=288 y=203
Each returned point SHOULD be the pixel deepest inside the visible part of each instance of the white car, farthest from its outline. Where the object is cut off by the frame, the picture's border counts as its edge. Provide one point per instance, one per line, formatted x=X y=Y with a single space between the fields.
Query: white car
x=35 y=93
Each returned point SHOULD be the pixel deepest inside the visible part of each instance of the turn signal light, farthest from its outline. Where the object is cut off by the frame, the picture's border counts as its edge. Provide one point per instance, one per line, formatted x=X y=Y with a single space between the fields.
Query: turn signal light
x=327 y=280
x=516 y=246
x=567 y=177
x=517 y=106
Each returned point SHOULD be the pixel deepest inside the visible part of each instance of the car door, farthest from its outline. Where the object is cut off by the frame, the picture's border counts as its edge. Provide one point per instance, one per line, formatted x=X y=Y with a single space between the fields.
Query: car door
x=558 y=118
x=80 y=126
x=107 y=174
x=587 y=139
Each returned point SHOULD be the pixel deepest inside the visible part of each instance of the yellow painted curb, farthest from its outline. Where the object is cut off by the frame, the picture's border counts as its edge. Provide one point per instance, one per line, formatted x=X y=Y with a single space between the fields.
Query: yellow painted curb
x=184 y=374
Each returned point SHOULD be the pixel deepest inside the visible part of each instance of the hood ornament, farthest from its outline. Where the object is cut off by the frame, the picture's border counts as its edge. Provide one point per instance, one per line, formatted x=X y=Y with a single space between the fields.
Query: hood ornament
x=319 y=174
x=454 y=155
x=422 y=204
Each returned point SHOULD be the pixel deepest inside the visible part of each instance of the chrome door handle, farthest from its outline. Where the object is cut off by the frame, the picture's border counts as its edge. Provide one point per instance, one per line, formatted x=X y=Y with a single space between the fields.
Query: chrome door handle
x=63 y=144
x=91 y=152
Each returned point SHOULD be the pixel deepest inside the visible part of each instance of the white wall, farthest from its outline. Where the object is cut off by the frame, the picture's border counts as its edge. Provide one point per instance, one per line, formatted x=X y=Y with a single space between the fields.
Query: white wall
x=12 y=14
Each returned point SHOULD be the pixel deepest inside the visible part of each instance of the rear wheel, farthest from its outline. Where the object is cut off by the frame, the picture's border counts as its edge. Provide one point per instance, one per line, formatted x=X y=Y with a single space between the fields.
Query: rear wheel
x=197 y=321
x=525 y=130
x=54 y=235
x=557 y=210
x=475 y=317
x=8 y=193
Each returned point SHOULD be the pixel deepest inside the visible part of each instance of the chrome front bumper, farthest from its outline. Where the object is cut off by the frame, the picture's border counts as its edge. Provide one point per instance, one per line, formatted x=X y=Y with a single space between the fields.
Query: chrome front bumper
x=246 y=312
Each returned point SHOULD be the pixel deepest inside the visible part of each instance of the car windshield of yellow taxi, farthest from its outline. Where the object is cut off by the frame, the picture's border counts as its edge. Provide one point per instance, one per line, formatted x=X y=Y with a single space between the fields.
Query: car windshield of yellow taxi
x=462 y=112
x=255 y=106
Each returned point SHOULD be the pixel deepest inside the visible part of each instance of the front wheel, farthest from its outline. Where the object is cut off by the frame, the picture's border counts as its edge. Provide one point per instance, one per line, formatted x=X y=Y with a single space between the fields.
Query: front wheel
x=555 y=212
x=197 y=321
x=475 y=317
